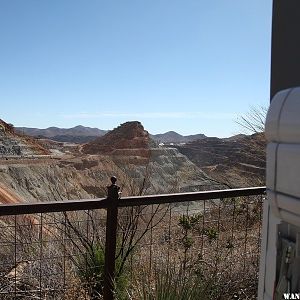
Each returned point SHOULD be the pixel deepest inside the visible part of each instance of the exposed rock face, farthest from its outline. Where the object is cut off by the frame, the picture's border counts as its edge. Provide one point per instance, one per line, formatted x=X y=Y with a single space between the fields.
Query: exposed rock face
x=238 y=162
x=52 y=180
x=128 y=153
x=17 y=145
x=6 y=128
x=164 y=171
x=130 y=135
x=46 y=179
x=7 y=196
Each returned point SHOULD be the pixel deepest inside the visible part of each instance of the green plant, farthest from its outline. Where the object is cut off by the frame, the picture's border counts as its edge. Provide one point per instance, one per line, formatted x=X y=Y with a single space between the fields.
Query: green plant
x=189 y=222
x=90 y=269
x=187 y=242
x=211 y=233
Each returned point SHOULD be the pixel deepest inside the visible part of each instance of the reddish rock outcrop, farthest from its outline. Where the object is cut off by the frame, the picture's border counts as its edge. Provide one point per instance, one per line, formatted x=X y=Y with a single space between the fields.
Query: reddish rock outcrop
x=129 y=135
x=12 y=143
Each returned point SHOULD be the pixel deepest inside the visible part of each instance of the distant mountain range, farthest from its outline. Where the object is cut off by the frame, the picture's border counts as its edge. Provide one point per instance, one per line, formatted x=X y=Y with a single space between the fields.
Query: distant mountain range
x=78 y=134
x=174 y=137
x=81 y=134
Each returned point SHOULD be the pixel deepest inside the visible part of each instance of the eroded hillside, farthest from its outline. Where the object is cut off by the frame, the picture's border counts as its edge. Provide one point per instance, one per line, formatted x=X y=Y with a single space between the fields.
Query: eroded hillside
x=236 y=162
x=15 y=144
x=126 y=152
x=130 y=135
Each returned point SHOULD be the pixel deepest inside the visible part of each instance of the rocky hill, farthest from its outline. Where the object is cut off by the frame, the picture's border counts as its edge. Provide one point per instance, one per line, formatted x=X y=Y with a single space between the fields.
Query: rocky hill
x=126 y=152
x=129 y=153
x=237 y=162
x=14 y=144
x=128 y=136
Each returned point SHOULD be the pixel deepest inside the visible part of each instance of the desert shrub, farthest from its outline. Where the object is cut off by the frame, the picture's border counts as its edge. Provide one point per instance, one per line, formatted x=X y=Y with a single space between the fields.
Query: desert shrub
x=170 y=283
x=90 y=269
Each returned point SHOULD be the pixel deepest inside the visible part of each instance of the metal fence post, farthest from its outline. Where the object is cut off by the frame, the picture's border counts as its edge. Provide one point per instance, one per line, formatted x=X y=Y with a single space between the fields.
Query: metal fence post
x=110 y=240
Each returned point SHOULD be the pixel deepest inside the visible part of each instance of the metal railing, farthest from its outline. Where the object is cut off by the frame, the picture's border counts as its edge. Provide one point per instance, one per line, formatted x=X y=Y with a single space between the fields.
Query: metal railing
x=122 y=248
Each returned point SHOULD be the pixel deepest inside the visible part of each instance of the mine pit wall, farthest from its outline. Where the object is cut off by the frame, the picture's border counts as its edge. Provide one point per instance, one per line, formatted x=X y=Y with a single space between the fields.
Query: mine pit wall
x=7 y=196
x=86 y=177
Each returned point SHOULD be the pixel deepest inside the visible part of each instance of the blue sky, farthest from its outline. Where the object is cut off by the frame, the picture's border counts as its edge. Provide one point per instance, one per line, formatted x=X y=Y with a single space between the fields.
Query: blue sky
x=190 y=66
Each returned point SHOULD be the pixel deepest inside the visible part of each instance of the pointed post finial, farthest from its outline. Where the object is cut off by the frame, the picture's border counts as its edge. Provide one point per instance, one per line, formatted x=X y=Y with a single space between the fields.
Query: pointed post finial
x=113 y=190
x=113 y=179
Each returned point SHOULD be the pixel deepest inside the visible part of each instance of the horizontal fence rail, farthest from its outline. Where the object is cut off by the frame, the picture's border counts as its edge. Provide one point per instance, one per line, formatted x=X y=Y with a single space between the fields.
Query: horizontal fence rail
x=84 y=204
x=188 y=197
x=133 y=247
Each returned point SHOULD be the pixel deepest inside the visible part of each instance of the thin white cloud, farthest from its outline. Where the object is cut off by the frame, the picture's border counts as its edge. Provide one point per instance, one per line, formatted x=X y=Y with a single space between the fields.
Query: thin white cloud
x=152 y=115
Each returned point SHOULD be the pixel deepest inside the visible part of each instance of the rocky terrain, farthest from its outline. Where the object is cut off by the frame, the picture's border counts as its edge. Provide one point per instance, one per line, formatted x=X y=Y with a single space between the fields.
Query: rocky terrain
x=87 y=177
x=46 y=170
x=237 y=162
x=126 y=152
x=18 y=145
x=128 y=136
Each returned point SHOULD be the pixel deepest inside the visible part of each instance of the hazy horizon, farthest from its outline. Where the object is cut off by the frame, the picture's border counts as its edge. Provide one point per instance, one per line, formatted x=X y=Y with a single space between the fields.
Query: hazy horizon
x=108 y=129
